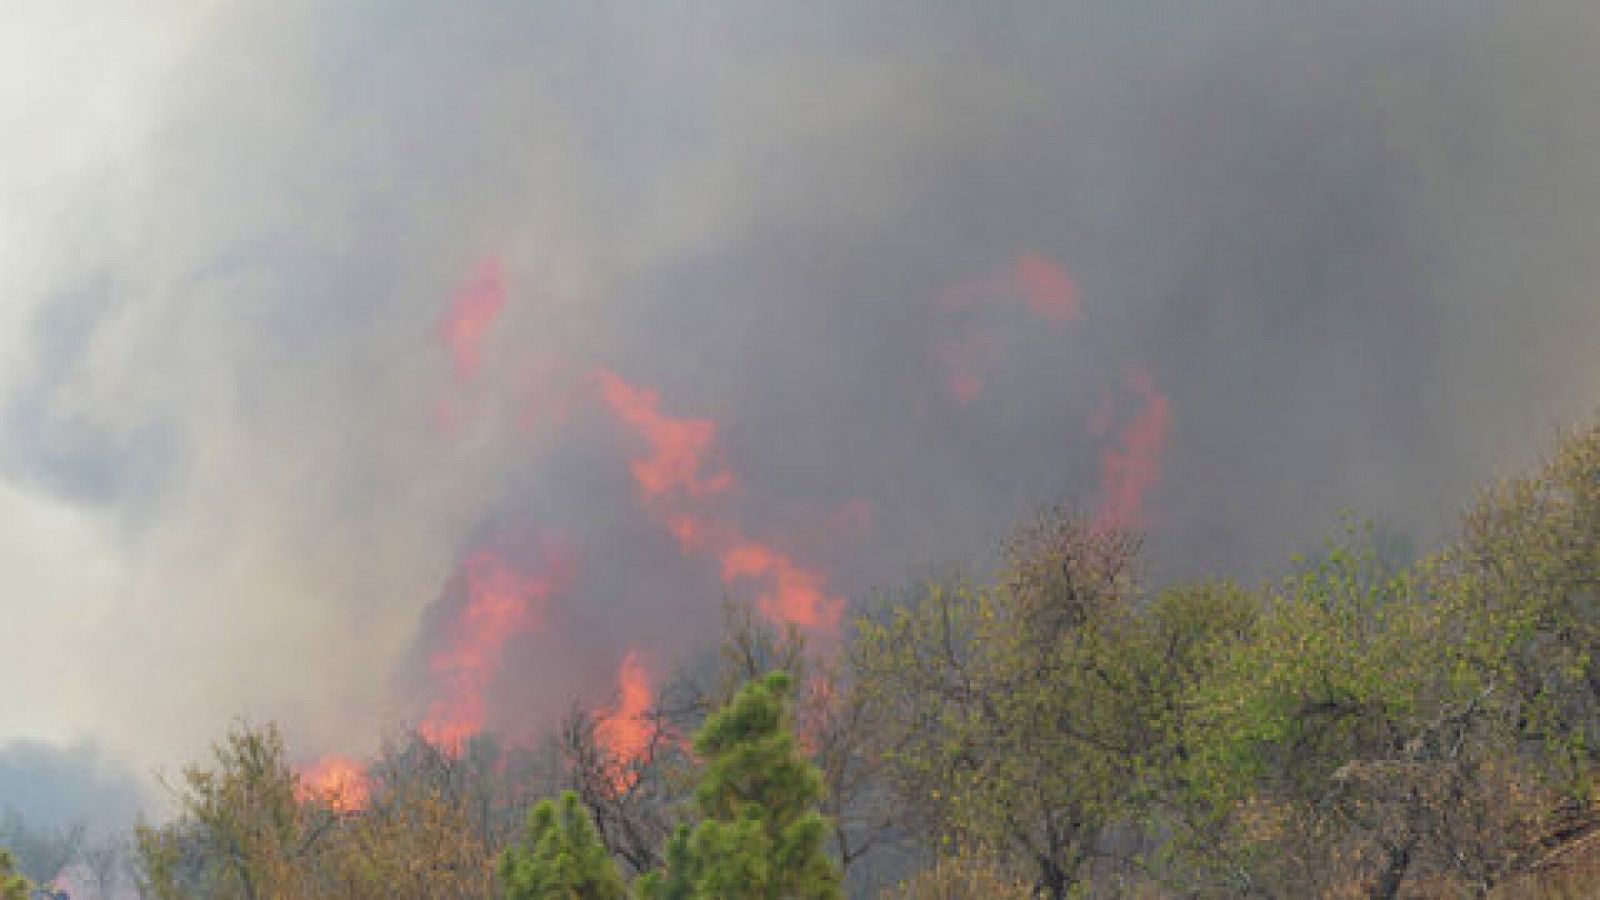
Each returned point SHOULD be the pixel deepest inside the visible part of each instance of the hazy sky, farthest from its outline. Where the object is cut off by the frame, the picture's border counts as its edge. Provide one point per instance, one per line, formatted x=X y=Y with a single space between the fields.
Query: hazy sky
x=1351 y=243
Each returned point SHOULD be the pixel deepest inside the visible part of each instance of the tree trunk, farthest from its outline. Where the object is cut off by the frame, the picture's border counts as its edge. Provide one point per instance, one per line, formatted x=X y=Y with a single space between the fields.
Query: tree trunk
x=1053 y=879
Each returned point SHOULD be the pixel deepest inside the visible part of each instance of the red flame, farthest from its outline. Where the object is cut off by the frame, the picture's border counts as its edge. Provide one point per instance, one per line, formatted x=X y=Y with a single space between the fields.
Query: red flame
x=678 y=447
x=625 y=732
x=1132 y=465
x=678 y=480
x=337 y=781
x=471 y=315
x=501 y=601
x=793 y=594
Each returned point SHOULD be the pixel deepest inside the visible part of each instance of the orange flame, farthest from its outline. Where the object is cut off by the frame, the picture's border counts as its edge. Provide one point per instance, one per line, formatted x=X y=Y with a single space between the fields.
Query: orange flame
x=680 y=476
x=1132 y=466
x=678 y=447
x=793 y=595
x=337 y=781
x=625 y=732
x=501 y=601
x=471 y=315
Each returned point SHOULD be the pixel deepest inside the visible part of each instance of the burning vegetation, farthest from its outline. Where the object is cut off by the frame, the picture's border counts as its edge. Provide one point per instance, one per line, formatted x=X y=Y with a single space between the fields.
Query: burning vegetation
x=1373 y=725
x=582 y=466
x=1369 y=726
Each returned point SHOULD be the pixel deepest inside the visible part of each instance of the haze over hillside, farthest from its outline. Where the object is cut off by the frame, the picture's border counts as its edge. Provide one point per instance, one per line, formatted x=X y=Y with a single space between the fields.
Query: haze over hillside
x=428 y=363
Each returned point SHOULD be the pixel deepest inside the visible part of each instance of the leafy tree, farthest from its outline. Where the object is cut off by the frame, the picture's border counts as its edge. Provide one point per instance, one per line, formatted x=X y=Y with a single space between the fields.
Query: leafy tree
x=432 y=823
x=1523 y=588
x=242 y=830
x=1345 y=741
x=761 y=835
x=12 y=885
x=961 y=876
x=562 y=859
x=435 y=822
x=1183 y=646
x=1009 y=714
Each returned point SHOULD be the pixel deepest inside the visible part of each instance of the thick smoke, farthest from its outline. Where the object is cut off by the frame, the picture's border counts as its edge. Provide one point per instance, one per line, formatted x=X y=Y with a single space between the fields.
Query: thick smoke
x=52 y=787
x=924 y=268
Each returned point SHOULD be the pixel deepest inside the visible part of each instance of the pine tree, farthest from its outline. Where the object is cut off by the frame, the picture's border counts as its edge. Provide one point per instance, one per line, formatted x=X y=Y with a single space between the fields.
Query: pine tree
x=677 y=882
x=563 y=857
x=761 y=835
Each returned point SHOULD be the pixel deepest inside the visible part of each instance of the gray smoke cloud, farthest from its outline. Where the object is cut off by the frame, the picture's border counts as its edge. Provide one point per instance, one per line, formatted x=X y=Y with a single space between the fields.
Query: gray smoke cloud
x=1352 y=242
x=48 y=786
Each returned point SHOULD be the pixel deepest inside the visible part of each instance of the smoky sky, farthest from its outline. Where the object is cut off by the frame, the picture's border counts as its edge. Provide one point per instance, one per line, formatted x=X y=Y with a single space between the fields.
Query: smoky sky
x=1351 y=242
x=48 y=786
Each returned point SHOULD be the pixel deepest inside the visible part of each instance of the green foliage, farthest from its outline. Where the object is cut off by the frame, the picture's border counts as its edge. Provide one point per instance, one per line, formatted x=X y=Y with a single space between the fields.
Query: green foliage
x=961 y=876
x=1338 y=662
x=242 y=831
x=1372 y=725
x=1010 y=714
x=12 y=885
x=760 y=835
x=562 y=859
x=1523 y=590
x=677 y=881
x=1340 y=666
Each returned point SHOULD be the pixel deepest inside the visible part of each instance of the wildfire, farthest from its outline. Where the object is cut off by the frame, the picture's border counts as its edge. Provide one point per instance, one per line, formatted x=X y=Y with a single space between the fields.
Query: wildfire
x=625 y=732
x=1131 y=466
x=679 y=477
x=337 y=781
x=502 y=600
x=679 y=448
x=793 y=594
x=686 y=486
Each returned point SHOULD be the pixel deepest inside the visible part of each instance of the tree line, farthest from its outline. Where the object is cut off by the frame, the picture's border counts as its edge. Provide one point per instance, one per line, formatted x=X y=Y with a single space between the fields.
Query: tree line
x=1369 y=726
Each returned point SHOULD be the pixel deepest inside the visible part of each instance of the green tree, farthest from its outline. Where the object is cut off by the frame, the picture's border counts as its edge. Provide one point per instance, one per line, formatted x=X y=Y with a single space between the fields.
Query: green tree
x=563 y=858
x=435 y=822
x=1333 y=677
x=12 y=885
x=1346 y=742
x=761 y=835
x=961 y=876
x=1523 y=588
x=1009 y=715
x=242 y=832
